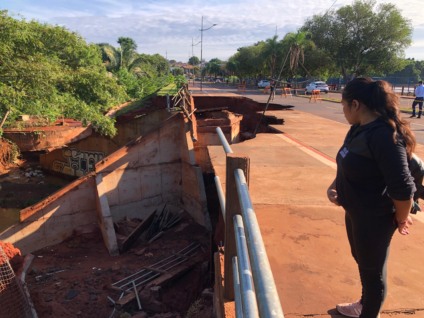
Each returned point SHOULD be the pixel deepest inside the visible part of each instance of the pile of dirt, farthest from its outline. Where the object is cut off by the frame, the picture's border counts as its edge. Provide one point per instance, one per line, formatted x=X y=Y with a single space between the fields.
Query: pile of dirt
x=75 y=278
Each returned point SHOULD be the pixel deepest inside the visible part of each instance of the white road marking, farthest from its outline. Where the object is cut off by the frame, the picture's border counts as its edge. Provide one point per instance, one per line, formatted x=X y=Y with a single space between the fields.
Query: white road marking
x=330 y=163
x=308 y=150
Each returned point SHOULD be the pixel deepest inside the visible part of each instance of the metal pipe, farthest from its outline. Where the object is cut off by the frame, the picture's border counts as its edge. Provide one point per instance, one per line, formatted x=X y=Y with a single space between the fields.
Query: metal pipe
x=201 y=51
x=186 y=251
x=237 y=292
x=248 y=297
x=201 y=55
x=136 y=296
x=266 y=291
x=221 y=195
x=224 y=141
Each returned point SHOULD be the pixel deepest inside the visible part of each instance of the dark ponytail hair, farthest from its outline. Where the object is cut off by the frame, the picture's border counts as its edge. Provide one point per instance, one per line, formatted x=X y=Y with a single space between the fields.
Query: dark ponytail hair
x=379 y=97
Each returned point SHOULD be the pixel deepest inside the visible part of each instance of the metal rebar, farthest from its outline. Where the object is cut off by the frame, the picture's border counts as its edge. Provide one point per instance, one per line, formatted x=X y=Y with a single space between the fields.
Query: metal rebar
x=114 y=308
x=224 y=141
x=266 y=292
x=144 y=281
x=145 y=278
x=128 y=277
x=166 y=264
x=248 y=297
x=136 y=296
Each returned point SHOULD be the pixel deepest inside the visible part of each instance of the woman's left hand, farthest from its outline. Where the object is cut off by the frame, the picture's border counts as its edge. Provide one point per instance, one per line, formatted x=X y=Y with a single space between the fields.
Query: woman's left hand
x=403 y=226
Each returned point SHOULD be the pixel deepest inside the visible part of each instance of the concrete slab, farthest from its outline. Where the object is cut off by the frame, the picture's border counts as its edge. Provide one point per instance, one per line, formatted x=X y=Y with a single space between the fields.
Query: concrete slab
x=304 y=233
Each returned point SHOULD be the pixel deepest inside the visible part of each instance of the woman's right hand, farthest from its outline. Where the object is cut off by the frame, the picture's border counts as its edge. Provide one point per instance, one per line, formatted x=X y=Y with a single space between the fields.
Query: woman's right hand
x=403 y=227
x=332 y=196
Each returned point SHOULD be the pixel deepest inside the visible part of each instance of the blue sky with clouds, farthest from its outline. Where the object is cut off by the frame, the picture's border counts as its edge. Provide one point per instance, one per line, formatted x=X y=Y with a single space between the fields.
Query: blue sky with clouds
x=171 y=27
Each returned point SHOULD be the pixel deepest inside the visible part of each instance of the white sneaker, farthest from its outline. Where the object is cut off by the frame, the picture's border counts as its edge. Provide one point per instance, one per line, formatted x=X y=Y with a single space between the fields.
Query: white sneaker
x=350 y=309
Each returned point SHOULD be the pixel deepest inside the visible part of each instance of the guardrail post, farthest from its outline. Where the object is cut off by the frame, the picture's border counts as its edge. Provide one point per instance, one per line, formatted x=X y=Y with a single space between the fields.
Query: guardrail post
x=232 y=207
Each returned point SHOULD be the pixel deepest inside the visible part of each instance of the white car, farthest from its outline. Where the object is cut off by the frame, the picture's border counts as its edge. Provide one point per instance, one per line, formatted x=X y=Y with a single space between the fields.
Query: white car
x=322 y=86
x=263 y=83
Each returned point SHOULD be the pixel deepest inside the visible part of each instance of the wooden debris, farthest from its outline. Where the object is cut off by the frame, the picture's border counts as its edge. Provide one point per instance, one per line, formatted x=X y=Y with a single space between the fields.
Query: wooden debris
x=135 y=234
x=162 y=221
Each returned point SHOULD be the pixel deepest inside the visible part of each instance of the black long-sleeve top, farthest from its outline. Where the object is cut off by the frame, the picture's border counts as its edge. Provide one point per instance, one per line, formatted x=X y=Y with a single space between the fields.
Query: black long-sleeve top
x=372 y=170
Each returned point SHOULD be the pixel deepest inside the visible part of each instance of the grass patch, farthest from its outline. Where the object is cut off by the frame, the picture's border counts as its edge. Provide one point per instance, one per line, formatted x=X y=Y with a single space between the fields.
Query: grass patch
x=170 y=90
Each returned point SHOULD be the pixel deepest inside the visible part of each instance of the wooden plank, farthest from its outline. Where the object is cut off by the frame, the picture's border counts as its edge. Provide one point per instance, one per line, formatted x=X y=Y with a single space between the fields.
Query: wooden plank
x=125 y=300
x=135 y=234
x=175 y=273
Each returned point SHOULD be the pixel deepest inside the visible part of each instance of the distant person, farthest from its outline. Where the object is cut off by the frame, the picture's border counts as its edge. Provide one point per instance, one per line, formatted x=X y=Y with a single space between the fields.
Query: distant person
x=272 y=90
x=374 y=185
x=416 y=166
x=419 y=97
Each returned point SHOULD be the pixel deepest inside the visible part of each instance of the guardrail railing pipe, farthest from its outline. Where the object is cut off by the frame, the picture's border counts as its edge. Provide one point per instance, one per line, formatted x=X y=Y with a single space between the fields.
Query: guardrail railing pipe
x=232 y=207
x=221 y=195
x=237 y=292
x=266 y=292
x=248 y=297
x=224 y=141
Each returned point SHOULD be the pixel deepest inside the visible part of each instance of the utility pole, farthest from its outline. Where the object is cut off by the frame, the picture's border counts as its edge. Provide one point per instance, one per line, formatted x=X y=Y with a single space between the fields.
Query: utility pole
x=201 y=51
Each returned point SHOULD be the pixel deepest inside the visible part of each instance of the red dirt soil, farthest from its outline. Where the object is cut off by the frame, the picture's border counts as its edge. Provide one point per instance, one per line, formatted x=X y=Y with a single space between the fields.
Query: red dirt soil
x=73 y=279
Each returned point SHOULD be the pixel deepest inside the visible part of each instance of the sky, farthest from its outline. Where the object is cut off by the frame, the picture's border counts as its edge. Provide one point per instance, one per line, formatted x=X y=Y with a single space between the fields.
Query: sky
x=171 y=28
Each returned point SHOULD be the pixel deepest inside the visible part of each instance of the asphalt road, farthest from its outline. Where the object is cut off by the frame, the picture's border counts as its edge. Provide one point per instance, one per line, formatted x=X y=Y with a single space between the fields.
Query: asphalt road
x=328 y=110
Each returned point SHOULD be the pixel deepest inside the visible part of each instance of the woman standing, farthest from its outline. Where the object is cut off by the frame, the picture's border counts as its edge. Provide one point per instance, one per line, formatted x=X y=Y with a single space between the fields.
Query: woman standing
x=373 y=184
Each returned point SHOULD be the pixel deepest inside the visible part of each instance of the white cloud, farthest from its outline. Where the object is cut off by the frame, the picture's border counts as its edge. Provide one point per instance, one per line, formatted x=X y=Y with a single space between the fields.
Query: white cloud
x=168 y=27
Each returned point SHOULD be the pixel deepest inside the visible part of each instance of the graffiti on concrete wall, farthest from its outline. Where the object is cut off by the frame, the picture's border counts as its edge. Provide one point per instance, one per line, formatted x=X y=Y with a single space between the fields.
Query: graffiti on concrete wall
x=77 y=163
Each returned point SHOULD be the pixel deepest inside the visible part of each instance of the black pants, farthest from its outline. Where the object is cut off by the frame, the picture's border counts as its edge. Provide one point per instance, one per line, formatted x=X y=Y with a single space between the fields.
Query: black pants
x=417 y=101
x=369 y=238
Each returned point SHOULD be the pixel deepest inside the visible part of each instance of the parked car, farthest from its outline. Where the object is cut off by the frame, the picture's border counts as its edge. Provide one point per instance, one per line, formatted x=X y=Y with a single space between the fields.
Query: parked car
x=264 y=83
x=322 y=86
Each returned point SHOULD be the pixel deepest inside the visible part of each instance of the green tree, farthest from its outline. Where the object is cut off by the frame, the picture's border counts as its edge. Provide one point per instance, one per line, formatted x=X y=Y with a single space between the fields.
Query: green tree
x=214 y=66
x=50 y=72
x=361 y=39
x=124 y=57
x=412 y=72
x=194 y=60
x=134 y=70
x=248 y=61
x=271 y=54
x=297 y=42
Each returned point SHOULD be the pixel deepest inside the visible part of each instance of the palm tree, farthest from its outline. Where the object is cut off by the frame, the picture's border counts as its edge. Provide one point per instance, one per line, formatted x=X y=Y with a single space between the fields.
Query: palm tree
x=297 y=43
x=271 y=49
x=124 y=57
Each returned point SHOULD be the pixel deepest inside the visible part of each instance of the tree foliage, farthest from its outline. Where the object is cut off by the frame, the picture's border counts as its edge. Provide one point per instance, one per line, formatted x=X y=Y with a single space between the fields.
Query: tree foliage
x=247 y=62
x=281 y=59
x=140 y=74
x=194 y=60
x=411 y=73
x=50 y=72
x=214 y=66
x=360 y=38
x=271 y=53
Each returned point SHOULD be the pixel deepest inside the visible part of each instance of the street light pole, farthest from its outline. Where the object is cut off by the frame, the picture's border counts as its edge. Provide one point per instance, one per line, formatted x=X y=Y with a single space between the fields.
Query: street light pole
x=201 y=51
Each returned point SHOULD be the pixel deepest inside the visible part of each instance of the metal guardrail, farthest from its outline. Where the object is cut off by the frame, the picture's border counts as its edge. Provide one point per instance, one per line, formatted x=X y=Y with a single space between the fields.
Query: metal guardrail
x=253 y=286
x=224 y=141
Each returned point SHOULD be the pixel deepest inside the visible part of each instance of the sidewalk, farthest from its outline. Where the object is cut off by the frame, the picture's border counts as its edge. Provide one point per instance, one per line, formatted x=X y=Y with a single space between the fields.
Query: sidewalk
x=304 y=233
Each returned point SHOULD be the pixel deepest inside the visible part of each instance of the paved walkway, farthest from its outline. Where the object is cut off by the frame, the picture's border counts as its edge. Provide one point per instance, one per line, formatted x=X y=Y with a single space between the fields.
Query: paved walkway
x=304 y=234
